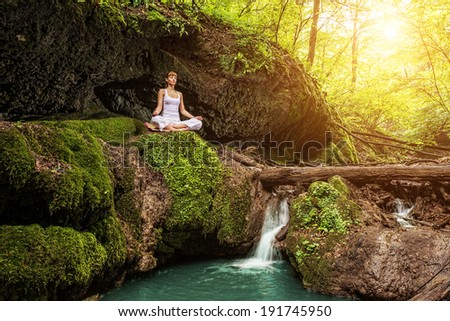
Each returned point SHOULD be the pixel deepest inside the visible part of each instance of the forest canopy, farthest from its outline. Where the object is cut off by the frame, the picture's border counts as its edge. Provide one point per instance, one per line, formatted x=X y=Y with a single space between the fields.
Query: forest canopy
x=384 y=66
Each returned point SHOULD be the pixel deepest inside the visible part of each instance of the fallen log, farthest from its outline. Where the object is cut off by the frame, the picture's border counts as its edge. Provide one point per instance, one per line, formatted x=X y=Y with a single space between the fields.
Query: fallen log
x=275 y=176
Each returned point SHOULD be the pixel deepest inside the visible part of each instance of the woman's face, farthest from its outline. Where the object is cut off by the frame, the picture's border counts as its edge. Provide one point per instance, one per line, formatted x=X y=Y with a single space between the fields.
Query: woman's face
x=172 y=79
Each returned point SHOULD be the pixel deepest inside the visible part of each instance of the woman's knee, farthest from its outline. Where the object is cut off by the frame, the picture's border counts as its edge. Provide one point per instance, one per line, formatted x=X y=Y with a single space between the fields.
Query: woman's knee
x=197 y=125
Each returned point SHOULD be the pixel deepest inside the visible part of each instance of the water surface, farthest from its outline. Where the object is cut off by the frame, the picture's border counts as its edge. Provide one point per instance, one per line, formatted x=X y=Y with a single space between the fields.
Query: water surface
x=217 y=280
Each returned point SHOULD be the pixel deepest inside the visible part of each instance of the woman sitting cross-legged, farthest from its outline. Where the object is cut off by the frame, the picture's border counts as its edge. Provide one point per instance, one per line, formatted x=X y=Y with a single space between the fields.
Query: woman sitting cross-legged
x=166 y=116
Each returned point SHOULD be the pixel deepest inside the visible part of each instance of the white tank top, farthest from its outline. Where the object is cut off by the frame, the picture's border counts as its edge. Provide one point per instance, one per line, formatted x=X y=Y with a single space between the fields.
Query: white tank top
x=171 y=106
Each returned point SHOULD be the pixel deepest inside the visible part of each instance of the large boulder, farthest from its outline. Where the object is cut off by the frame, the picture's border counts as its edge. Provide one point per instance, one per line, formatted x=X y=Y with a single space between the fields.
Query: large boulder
x=341 y=243
x=73 y=57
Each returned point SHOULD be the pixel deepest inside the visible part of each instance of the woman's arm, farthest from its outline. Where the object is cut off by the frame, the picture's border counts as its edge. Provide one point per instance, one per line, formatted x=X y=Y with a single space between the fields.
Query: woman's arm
x=160 y=103
x=183 y=110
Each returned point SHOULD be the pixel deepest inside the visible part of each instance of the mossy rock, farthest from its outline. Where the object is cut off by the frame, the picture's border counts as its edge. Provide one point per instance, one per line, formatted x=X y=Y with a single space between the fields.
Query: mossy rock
x=70 y=185
x=320 y=220
x=17 y=162
x=71 y=180
x=47 y=263
x=207 y=199
x=108 y=232
x=338 y=183
x=65 y=180
x=230 y=208
x=125 y=200
x=325 y=207
x=192 y=171
x=111 y=130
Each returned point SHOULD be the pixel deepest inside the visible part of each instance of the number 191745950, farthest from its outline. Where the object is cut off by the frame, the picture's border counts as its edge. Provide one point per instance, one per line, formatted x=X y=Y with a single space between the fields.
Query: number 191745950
x=300 y=311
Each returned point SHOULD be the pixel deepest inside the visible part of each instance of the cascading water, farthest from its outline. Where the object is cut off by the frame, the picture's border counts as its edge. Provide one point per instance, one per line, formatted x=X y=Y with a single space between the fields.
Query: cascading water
x=401 y=213
x=276 y=217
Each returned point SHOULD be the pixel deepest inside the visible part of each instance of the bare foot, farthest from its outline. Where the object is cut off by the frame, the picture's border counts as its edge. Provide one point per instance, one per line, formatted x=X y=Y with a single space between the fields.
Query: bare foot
x=151 y=126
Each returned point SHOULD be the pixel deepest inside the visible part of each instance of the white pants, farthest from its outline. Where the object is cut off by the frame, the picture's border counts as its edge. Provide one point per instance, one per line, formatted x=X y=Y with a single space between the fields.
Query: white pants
x=162 y=122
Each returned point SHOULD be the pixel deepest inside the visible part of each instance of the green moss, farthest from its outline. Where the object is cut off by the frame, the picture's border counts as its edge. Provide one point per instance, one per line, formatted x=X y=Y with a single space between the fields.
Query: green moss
x=110 y=235
x=84 y=190
x=320 y=219
x=17 y=163
x=325 y=208
x=339 y=185
x=207 y=198
x=192 y=172
x=112 y=130
x=43 y=264
x=71 y=184
x=309 y=254
x=230 y=208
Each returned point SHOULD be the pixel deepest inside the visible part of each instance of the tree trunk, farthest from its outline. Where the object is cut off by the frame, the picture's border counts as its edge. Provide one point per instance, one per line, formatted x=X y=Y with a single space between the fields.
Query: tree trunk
x=280 y=17
x=313 y=34
x=301 y=23
x=358 y=174
x=355 y=47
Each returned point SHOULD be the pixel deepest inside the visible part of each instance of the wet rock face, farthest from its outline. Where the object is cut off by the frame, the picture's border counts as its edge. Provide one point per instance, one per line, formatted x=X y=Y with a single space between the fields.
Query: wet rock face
x=57 y=53
x=67 y=56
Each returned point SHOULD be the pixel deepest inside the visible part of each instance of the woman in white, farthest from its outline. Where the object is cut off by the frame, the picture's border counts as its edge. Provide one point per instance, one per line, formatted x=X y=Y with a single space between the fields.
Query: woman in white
x=166 y=116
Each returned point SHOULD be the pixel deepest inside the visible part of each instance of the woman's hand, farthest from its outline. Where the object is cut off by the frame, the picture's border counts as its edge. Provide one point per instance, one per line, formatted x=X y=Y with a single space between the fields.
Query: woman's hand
x=199 y=117
x=155 y=113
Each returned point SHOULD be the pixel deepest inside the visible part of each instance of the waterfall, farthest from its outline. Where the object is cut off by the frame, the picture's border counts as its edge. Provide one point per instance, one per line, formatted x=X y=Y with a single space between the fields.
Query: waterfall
x=401 y=213
x=265 y=253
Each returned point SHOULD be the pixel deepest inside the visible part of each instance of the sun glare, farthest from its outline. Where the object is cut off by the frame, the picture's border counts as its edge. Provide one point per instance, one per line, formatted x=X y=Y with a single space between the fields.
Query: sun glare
x=390 y=30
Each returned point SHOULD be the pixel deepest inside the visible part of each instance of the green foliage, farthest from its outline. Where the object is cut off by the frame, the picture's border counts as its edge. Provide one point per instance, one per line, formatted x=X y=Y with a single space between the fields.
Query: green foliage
x=396 y=83
x=154 y=15
x=45 y=264
x=112 y=13
x=192 y=171
x=176 y=25
x=253 y=53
